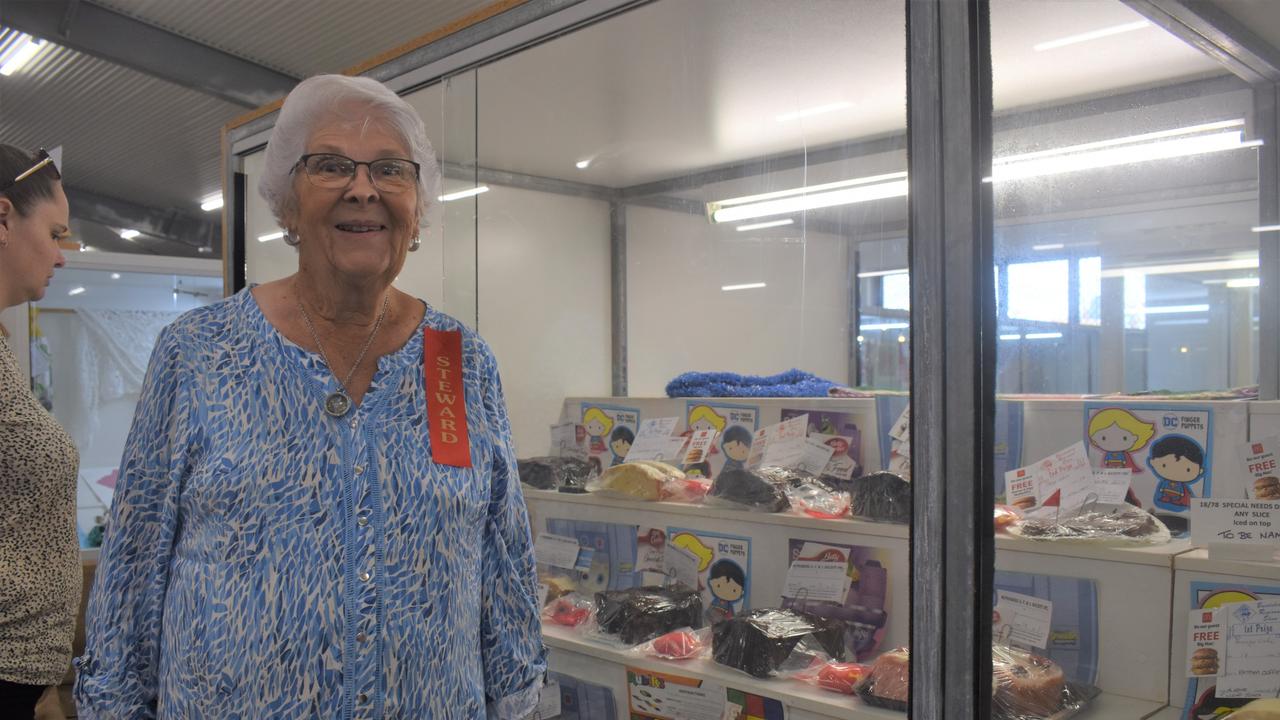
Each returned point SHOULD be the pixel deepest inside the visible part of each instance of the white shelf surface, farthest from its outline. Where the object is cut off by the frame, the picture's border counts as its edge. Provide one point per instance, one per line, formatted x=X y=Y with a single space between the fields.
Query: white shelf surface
x=1159 y=555
x=791 y=694
x=796 y=695
x=859 y=527
x=1198 y=561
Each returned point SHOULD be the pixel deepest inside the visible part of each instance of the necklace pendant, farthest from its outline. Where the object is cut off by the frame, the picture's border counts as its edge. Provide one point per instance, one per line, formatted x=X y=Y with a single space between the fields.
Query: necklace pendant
x=337 y=404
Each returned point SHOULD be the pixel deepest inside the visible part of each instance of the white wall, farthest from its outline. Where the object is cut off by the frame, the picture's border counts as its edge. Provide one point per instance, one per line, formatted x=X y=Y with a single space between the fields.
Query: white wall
x=544 y=302
x=679 y=319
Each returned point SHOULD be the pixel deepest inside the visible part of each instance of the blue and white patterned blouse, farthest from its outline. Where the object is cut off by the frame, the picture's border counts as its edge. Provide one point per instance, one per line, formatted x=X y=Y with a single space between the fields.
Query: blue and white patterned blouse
x=265 y=560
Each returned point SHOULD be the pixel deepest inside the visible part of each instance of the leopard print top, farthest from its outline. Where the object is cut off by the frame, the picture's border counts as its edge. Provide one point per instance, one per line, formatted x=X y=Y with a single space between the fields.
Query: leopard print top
x=39 y=552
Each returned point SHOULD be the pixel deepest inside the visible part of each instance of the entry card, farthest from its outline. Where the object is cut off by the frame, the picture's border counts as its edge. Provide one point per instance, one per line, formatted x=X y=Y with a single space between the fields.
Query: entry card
x=817 y=455
x=654 y=440
x=817 y=580
x=786 y=444
x=1022 y=619
x=1251 y=668
x=681 y=565
x=556 y=550
x=549 y=701
x=1112 y=484
x=566 y=440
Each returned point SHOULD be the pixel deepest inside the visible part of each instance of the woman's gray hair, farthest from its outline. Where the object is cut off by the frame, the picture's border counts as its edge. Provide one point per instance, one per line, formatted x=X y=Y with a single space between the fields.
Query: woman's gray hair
x=314 y=100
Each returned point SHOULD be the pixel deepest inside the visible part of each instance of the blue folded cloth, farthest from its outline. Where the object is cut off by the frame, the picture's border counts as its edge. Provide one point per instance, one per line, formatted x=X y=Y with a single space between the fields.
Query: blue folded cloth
x=792 y=383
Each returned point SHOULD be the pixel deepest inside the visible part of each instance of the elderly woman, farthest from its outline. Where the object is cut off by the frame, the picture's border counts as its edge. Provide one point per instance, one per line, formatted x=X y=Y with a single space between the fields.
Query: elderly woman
x=318 y=513
x=39 y=552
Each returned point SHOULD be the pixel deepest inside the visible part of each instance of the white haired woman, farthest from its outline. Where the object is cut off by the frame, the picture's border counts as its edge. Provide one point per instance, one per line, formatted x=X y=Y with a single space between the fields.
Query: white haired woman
x=318 y=512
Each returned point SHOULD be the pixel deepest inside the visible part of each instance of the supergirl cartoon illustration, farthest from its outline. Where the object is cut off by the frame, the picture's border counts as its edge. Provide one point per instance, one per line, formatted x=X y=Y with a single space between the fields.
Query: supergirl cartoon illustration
x=597 y=424
x=1119 y=434
x=1178 y=461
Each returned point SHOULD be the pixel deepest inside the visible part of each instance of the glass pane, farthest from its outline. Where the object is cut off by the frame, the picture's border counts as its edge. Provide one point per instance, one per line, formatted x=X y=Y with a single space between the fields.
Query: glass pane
x=91 y=339
x=1125 y=178
x=715 y=188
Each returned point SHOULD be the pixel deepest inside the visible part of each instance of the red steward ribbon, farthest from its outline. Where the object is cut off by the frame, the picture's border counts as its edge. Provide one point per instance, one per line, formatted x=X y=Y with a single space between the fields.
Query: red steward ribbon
x=446 y=399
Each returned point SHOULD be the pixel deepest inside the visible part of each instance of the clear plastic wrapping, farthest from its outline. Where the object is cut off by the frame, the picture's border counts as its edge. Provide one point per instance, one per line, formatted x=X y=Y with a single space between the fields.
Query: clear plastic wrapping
x=684 y=643
x=817 y=499
x=881 y=496
x=566 y=474
x=860 y=623
x=685 y=489
x=765 y=641
x=748 y=490
x=1004 y=515
x=1024 y=686
x=832 y=675
x=1096 y=524
x=639 y=614
x=641 y=480
x=570 y=611
x=1260 y=709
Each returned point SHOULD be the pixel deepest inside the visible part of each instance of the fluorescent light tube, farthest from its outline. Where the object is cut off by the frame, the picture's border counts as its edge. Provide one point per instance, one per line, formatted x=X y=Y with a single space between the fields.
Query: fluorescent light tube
x=1265 y=228
x=469 y=192
x=76 y=290
x=271 y=236
x=810 y=112
x=582 y=164
x=1011 y=337
x=1174 y=309
x=1043 y=336
x=1073 y=160
x=1091 y=35
x=115 y=276
x=26 y=48
x=885 y=326
x=763 y=225
x=211 y=203
x=129 y=234
x=1194 y=267
x=745 y=286
x=1050 y=246
x=882 y=273
x=784 y=206
x=1243 y=283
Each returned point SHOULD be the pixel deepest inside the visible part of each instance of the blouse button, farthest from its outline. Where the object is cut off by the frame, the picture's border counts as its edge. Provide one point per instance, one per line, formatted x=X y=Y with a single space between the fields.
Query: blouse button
x=362 y=520
x=359 y=470
x=364 y=576
x=361 y=637
x=363 y=697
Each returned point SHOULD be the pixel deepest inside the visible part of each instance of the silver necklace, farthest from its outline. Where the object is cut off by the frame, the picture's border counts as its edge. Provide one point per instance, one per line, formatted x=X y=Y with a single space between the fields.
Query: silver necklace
x=339 y=402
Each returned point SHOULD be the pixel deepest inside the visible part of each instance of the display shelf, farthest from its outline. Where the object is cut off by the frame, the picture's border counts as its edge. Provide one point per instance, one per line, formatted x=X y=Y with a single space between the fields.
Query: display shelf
x=1159 y=555
x=1118 y=707
x=1197 y=560
x=1167 y=713
x=792 y=694
x=859 y=527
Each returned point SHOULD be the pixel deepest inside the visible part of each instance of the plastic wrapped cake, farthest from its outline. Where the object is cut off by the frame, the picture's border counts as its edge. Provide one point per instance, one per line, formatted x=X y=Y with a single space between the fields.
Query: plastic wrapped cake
x=761 y=642
x=748 y=490
x=881 y=496
x=565 y=474
x=639 y=614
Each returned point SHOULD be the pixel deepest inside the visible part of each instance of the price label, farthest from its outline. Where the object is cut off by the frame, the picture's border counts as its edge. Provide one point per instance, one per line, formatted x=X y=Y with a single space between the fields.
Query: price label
x=556 y=550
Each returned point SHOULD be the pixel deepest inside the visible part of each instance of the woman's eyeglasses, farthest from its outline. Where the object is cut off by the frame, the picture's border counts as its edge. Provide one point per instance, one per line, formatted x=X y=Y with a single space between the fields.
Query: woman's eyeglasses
x=43 y=158
x=329 y=170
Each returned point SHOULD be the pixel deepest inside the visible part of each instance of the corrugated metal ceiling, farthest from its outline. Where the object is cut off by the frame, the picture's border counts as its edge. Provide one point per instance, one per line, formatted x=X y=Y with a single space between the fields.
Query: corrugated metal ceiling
x=299 y=37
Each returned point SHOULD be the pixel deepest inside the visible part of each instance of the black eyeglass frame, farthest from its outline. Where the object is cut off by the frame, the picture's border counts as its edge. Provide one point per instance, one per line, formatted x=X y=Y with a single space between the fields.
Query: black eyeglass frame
x=302 y=162
x=42 y=159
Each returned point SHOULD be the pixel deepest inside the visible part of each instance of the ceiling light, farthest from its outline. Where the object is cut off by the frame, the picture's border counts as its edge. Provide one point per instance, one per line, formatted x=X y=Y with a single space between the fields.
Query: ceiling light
x=810 y=112
x=860 y=338
x=1015 y=336
x=76 y=290
x=1265 y=228
x=115 y=276
x=1179 y=268
x=1050 y=246
x=885 y=326
x=211 y=203
x=745 y=286
x=1243 y=283
x=1173 y=309
x=1091 y=35
x=902 y=338
x=1162 y=145
x=469 y=192
x=782 y=202
x=271 y=236
x=882 y=273
x=129 y=234
x=1183 y=349
x=763 y=225
x=86 y=248
x=582 y=164
x=1043 y=336
x=21 y=52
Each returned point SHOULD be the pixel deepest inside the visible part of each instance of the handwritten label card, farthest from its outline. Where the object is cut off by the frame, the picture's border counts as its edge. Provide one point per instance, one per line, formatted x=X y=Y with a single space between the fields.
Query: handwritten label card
x=549 y=701
x=817 y=455
x=556 y=550
x=817 y=580
x=1255 y=522
x=1022 y=619
x=1112 y=484
x=1251 y=666
x=567 y=440
x=681 y=565
x=654 y=440
x=1065 y=479
x=786 y=444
